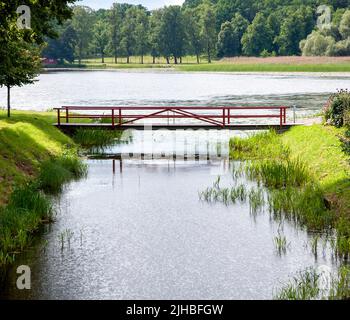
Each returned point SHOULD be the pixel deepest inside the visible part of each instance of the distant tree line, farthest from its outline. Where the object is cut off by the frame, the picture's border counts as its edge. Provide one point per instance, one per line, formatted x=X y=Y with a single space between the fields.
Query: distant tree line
x=203 y=28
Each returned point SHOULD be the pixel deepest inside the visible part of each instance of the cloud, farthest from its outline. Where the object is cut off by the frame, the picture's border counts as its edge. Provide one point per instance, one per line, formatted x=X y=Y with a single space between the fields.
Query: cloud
x=150 y=4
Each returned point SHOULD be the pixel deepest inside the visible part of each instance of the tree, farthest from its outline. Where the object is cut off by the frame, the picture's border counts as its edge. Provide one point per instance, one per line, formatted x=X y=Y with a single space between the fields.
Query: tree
x=155 y=33
x=317 y=44
x=82 y=23
x=20 y=67
x=101 y=37
x=62 y=48
x=193 y=33
x=240 y=25
x=344 y=27
x=19 y=53
x=116 y=17
x=208 y=28
x=128 y=29
x=295 y=27
x=141 y=32
x=172 y=33
x=228 y=41
x=258 y=37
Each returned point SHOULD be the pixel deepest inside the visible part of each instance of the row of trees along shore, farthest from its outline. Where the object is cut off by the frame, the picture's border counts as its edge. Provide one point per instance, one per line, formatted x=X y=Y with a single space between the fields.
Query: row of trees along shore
x=209 y=28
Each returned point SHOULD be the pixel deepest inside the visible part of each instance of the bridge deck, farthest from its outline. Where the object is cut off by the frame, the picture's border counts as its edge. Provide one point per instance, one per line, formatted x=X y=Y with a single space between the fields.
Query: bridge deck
x=172 y=127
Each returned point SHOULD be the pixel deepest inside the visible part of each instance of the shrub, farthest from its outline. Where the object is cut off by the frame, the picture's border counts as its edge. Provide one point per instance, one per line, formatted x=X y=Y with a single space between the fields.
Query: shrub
x=336 y=111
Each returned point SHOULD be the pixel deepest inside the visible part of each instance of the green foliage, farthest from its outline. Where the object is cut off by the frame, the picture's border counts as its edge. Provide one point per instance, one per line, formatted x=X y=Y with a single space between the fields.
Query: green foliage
x=336 y=111
x=101 y=37
x=208 y=28
x=331 y=41
x=294 y=28
x=229 y=38
x=98 y=138
x=316 y=44
x=258 y=37
x=62 y=48
x=200 y=27
x=344 y=26
x=82 y=23
x=55 y=173
x=311 y=284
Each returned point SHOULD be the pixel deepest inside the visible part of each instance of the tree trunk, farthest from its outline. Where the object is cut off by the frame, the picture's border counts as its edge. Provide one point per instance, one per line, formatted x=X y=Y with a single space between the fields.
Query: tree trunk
x=175 y=60
x=8 y=101
x=142 y=58
x=154 y=60
x=128 y=59
x=209 y=57
x=115 y=58
x=167 y=60
x=103 y=57
x=180 y=60
x=197 y=58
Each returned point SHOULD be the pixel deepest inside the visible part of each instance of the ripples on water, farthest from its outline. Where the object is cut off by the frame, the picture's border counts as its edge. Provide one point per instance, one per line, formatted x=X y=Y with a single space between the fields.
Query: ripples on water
x=143 y=233
x=55 y=89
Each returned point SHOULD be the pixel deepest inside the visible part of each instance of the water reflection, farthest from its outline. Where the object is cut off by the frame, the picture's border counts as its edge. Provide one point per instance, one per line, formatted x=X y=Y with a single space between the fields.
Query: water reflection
x=138 y=230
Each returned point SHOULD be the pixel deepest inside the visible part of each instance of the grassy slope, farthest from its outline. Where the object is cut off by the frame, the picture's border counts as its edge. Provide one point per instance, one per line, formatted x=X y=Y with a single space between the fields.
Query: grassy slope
x=319 y=147
x=26 y=139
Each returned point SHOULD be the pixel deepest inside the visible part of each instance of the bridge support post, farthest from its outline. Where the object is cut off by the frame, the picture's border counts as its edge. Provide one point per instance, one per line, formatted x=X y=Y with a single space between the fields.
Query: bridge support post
x=281 y=117
x=58 y=117
x=113 y=120
x=223 y=117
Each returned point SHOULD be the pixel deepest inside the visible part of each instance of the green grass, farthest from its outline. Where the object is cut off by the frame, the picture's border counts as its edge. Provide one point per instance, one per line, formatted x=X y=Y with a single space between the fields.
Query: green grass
x=307 y=173
x=309 y=285
x=26 y=140
x=189 y=63
x=230 y=67
x=35 y=157
x=56 y=172
x=96 y=138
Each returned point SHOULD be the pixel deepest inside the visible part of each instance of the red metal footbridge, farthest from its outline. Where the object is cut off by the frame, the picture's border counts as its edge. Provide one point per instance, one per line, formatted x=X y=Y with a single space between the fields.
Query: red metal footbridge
x=171 y=117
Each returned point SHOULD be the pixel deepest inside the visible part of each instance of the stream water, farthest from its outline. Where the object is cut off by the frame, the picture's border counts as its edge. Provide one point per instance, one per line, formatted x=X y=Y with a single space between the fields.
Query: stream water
x=136 y=228
x=140 y=231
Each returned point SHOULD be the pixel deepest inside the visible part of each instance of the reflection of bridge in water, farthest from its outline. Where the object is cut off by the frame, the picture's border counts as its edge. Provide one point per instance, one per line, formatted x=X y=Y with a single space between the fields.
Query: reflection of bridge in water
x=70 y=118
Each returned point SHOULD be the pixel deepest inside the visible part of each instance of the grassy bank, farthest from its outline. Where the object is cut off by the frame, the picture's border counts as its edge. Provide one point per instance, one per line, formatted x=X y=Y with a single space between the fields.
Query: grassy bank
x=26 y=140
x=238 y=64
x=301 y=167
x=36 y=159
x=229 y=67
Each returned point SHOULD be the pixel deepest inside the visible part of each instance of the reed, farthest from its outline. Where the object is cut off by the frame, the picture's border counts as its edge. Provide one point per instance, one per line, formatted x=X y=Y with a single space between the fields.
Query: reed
x=308 y=285
x=280 y=242
x=55 y=173
x=96 y=138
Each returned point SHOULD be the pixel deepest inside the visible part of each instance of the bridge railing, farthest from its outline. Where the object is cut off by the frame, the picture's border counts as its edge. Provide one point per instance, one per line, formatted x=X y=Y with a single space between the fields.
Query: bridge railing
x=216 y=116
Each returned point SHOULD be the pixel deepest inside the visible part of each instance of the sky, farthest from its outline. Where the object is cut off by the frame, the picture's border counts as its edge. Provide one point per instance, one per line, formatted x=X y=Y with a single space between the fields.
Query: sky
x=150 y=4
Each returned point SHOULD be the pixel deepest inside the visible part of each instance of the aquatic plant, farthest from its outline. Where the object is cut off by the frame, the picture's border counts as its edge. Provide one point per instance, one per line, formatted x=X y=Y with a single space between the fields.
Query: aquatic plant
x=55 y=173
x=280 y=242
x=96 y=139
x=303 y=286
x=256 y=200
x=310 y=285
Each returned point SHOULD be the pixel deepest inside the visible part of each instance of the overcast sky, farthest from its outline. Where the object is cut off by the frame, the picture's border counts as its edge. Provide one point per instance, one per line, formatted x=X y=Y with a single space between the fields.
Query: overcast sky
x=150 y=4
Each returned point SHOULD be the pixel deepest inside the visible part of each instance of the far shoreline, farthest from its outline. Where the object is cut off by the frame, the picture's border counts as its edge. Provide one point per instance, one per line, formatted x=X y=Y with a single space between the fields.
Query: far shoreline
x=176 y=70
